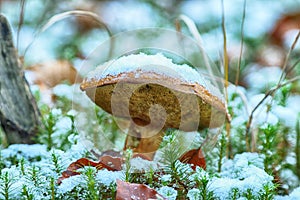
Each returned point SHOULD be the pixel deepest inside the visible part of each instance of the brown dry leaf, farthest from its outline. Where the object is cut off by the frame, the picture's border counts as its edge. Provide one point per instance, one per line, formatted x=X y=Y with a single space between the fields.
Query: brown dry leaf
x=112 y=162
x=134 y=191
x=194 y=157
x=287 y=22
x=106 y=162
x=52 y=73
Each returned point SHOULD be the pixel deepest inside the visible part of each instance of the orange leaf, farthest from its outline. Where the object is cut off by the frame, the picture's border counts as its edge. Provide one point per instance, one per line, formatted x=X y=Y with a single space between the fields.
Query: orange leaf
x=112 y=162
x=194 y=157
x=127 y=190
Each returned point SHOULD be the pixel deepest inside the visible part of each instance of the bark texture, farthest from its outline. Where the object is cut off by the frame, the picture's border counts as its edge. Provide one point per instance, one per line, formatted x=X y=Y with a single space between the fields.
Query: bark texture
x=19 y=114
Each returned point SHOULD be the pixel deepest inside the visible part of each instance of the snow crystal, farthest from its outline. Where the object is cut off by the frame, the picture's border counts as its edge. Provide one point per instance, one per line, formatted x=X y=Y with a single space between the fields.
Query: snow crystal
x=151 y=63
x=295 y=195
x=78 y=150
x=289 y=178
x=245 y=172
x=222 y=187
x=25 y=150
x=168 y=192
x=72 y=93
x=166 y=178
x=288 y=114
x=63 y=124
x=200 y=174
x=70 y=183
x=256 y=78
x=15 y=183
x=64 y=90
x=140 y=165
x=56 y=112
x=109 y=177
x=194 y=194
x=241 y=162
x=262 y=115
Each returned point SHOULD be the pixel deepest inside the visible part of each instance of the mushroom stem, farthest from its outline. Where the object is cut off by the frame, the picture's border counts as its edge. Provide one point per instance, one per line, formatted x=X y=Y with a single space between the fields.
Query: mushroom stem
x=142 y=141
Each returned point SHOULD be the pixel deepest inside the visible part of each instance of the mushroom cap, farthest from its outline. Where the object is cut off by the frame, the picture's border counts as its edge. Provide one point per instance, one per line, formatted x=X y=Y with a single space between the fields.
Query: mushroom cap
x=133 y=92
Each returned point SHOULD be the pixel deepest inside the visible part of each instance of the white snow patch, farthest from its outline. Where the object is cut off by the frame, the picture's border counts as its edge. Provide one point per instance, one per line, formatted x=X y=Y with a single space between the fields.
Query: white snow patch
x=168 y=192
x=194 y=194
x=72 y=93
x=141 y=165
x=109 y=177
x=25 y=150
x=244 y=172
x=157 y=63
x=166 y=178
x=262 y=114
x=295 y=195
x=70 y=183
x=261 y=78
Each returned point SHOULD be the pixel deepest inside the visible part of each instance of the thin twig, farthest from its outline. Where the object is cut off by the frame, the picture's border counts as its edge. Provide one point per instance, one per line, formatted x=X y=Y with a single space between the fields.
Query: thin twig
x=269 y=93
x=21 y=20
x=279 y=85
x=225 y=50
x=288 y=57
x=226 y=72
x=242 y=45
x=293 y=67
x=67 y=14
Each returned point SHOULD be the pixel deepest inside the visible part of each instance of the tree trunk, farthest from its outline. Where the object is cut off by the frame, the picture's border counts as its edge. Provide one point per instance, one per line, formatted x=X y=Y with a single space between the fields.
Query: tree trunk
x=19 y=114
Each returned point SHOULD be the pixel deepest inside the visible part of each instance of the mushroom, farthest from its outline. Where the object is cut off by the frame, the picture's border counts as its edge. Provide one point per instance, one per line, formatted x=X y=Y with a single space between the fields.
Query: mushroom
x=154 y=94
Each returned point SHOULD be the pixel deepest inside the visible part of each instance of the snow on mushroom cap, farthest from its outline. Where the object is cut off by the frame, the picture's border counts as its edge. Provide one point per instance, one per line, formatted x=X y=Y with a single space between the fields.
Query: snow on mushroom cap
x=157 y=63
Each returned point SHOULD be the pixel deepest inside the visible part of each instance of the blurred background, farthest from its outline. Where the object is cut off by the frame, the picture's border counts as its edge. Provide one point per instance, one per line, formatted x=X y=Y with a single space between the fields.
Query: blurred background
x=270 y=28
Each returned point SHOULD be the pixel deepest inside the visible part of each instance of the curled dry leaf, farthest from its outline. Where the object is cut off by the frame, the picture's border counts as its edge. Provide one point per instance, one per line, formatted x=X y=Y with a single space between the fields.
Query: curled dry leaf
x=52 y=73
x=194 y=157
x=134 y=191
x=106 y=162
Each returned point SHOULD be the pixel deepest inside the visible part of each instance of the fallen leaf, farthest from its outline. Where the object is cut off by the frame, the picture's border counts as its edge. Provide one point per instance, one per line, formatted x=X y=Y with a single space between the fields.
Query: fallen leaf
x=194 y=157
x=106 y=162
x=287 y=22
x=112 y=162
x=51 y=73
x=134 y=191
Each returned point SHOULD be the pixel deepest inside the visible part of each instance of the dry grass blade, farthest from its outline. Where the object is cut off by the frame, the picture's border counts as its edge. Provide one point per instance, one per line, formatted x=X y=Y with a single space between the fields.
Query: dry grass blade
x=242 y=44
x=283 y=75
x=225 y=50
x=21 y=20
x=279 y=84
x=269 y=93
x=194 y=31
x=288 y=71
x=77 y=13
